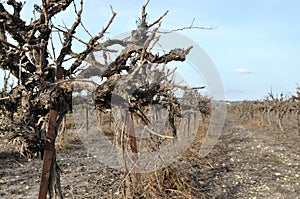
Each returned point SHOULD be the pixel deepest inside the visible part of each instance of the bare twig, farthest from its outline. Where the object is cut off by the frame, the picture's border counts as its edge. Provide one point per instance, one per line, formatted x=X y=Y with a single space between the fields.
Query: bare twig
x=25 y=49
x=146 y=44
x=157 y=134
x=159 y=19
x=188 y=27
x=71 y=35
x=92 y=42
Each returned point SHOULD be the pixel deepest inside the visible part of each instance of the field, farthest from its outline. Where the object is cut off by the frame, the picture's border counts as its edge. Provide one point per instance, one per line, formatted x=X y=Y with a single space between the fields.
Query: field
x=252 y=159
x=57 y=62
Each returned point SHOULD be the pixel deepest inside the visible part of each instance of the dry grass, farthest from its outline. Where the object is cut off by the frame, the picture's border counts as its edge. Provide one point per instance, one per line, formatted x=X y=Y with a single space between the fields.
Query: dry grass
x=257 y=123
x=67 y=140
x=169 y=182
x=174 y=181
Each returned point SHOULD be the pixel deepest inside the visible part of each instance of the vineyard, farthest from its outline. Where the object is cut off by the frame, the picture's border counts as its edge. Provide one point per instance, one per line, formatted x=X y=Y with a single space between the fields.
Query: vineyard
x=272 y=110
x=140 y=133
x=254 y=157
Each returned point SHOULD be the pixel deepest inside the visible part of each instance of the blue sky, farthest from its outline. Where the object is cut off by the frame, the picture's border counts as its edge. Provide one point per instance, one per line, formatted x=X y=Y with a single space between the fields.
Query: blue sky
x=255 y=45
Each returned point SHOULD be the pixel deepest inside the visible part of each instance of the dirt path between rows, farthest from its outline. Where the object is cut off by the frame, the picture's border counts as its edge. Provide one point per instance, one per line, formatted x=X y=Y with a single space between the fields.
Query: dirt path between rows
x=249 y=161
x=263 y=162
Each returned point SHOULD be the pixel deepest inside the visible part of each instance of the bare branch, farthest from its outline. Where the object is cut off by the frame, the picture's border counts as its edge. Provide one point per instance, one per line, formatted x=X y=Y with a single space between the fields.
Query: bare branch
x=68 y=38
x=157 y=134
x=146 y=44
x=144 y=14
x=188 y=27
x=159 y=19
x=25 y=49
x=92 y=42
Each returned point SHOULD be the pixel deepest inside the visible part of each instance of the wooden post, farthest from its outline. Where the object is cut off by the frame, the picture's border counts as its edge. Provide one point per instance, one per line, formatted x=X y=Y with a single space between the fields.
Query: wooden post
x=298 y=122
x=133 y=146
x=49 y=148
x=110 y=117
x=49 y=151
x=100 y=118
x=87 y=117
x=188 y=124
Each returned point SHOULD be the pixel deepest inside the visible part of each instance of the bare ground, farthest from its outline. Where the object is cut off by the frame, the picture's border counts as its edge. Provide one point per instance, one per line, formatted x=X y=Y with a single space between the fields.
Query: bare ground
x=251 y=160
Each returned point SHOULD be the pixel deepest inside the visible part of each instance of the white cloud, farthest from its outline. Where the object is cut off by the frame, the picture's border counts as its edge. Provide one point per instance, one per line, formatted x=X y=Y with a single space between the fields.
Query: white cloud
x=243 y=70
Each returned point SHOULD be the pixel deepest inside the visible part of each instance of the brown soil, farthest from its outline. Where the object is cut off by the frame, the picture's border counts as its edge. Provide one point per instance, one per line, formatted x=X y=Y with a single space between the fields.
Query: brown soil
x=251 y=160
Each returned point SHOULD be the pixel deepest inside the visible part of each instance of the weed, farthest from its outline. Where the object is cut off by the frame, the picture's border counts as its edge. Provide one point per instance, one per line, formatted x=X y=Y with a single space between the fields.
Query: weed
x=271 y=158
x=60 y=163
